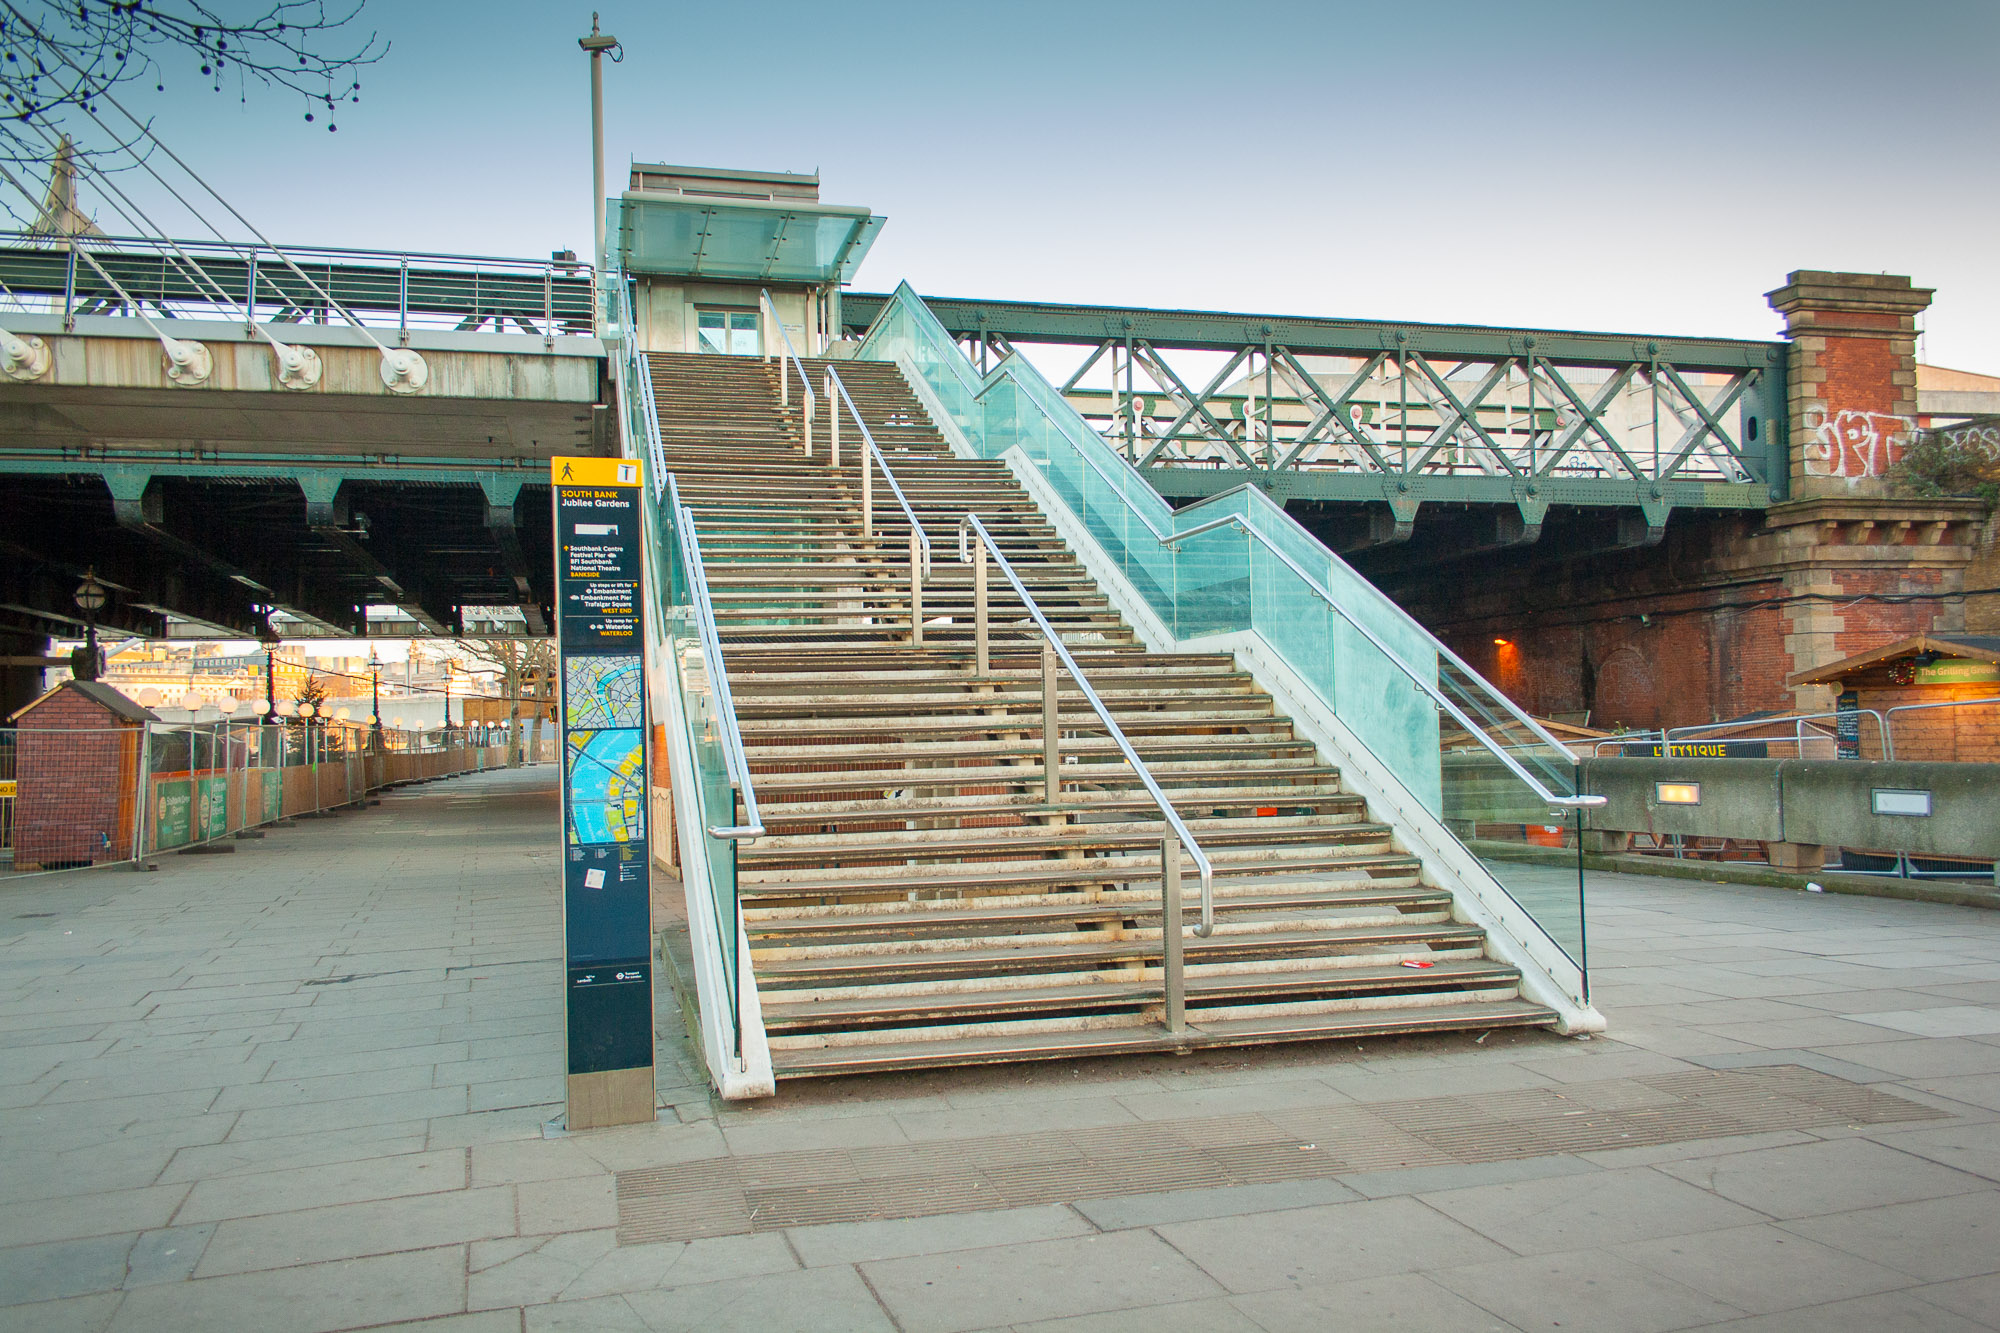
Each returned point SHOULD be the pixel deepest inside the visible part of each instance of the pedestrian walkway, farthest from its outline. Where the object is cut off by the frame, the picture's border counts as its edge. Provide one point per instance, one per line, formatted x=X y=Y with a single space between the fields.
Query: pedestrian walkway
x=304 y=1086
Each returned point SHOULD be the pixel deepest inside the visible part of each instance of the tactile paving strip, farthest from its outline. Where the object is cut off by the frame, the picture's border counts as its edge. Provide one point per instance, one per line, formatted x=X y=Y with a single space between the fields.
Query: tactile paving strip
x=733 y=1195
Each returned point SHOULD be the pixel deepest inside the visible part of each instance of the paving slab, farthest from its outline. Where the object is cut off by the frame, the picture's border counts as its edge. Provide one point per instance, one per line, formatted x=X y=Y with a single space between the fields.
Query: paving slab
x=1339 y=1242
x=1809 y=1179
x=1399 y=1303
x=1014 y=1284
x=1597 y=1208
x=280 y=1048
x=893 y=1238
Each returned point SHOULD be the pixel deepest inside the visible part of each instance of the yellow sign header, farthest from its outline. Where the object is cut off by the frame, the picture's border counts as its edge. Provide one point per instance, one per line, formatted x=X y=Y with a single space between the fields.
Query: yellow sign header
x=594 y=471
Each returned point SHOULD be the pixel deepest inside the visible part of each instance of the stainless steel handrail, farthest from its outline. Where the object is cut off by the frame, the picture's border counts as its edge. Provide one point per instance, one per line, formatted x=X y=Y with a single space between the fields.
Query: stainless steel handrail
x=784 y=382
x=1171 y=541
x=1666 y=735
x=711 y=652
x=868 y=444
x=649 y=410
x=971 y=523
x=1889 y=728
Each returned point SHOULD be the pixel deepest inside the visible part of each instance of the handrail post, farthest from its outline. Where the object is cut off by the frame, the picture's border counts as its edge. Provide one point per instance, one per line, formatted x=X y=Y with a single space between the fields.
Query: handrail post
x=982 y=661
x=403 y=303
x=833 y=419
x=867 y=495
x=916 y=594
x=1171 y=944
x=1051 y=732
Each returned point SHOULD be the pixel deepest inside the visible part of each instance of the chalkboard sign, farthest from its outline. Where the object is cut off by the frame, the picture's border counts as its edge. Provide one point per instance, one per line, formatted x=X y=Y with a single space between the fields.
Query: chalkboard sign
x=1847 y=725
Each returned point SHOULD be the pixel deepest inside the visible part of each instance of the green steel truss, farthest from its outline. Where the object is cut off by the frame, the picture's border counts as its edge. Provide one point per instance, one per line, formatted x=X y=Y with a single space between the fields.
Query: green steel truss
x=1408 y=414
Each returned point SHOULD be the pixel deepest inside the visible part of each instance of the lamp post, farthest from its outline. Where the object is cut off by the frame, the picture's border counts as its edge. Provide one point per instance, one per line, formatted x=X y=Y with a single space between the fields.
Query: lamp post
x=375 y=696
x=598 y=44
x=90 y=599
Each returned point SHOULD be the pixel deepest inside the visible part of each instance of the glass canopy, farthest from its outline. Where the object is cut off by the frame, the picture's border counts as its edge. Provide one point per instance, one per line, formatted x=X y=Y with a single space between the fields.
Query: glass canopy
x=773 y=240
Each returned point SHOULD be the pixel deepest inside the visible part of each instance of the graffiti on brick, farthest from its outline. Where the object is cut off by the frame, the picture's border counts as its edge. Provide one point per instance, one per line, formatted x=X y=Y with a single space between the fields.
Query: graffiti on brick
x=1853 y=444
x=1980 y=439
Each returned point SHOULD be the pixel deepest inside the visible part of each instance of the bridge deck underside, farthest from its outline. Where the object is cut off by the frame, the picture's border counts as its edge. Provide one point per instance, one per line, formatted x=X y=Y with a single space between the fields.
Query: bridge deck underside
x=218 y=550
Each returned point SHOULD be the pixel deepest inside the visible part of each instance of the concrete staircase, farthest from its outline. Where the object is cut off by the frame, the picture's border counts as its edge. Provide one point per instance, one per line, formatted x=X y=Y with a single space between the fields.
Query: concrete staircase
x=917 y=900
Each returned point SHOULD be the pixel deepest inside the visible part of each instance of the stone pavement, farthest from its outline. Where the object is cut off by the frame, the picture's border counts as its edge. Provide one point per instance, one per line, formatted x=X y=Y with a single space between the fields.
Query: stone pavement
x=302 y=1087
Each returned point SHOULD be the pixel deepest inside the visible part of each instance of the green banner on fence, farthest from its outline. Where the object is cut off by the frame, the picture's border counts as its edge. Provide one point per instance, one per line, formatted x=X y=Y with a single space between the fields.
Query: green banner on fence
x=274 y=792
x=173 y=810
x=211 y=807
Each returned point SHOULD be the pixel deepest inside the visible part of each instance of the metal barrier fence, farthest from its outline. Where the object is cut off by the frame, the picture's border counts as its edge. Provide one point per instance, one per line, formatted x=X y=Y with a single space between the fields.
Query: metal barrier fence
x=389 y=291
x=75 y=797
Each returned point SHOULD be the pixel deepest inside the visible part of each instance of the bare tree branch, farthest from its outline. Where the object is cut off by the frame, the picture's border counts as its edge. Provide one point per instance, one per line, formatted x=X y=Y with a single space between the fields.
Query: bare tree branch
x=59 y=62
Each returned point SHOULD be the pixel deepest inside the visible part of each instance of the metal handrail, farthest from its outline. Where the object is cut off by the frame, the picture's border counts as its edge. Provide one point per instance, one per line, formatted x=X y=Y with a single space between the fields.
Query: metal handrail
x=868 y=444
x=642 y=371
x=534 y=280
x=1666 y=735
x=711 y=652
x=971 y=523
x=784 y=383
x=1889 y=728
x=1172 y=542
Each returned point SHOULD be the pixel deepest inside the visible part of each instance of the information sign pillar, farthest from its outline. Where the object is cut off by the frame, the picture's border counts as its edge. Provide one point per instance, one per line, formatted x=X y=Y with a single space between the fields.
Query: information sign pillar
x=607 y=904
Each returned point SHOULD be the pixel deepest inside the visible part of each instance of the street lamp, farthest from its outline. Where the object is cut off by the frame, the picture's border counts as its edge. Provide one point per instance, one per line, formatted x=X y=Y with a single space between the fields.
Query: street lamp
x=90 y=599
x=375 y=693
x=598 y=44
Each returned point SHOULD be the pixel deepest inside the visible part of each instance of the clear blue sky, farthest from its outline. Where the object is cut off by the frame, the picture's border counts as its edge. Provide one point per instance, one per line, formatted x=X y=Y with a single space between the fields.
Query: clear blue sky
x=1648 y=167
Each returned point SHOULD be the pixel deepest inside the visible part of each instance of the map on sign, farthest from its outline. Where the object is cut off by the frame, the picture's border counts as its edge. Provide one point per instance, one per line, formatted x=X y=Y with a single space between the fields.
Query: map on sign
x=607 y=786
x=601 y=692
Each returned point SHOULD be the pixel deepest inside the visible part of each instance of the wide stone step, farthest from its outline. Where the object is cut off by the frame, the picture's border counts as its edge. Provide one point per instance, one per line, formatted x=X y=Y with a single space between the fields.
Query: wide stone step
x=1094 y=758
x=996 y=847
x=1024 y=914
x=1052 y=955
x=1262 y=801
x=807 y=1059
x=857 y=883
x=1260 y=779
x=1129 y=990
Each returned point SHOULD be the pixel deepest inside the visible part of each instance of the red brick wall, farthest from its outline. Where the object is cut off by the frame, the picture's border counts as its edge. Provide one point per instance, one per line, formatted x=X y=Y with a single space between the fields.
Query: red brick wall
x=1860 y=371
x=78 y=769
x=1695 y=659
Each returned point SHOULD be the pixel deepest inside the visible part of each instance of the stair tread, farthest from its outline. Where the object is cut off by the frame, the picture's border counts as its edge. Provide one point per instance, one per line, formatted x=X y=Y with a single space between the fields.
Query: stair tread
x=799 y=1062
x=1231 y=988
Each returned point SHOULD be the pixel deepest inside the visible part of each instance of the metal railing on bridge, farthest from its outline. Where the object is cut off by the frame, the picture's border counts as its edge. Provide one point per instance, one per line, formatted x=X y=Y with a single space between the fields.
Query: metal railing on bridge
x=400 y=291
x=1405 y=414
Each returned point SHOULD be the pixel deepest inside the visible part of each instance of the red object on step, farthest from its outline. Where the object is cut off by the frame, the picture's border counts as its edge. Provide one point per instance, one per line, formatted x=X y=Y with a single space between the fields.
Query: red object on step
x=1418 y=962
x=1267 y=810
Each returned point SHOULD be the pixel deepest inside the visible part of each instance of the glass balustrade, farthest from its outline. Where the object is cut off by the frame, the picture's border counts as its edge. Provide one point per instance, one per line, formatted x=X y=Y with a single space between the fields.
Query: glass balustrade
x=1236 y=562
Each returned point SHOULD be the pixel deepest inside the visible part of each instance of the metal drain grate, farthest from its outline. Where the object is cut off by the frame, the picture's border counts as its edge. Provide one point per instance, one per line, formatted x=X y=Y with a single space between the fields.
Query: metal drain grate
x=733 y=1195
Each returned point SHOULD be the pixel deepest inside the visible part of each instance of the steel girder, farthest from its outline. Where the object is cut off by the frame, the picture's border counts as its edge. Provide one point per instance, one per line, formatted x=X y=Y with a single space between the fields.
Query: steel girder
x=1404 y=414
